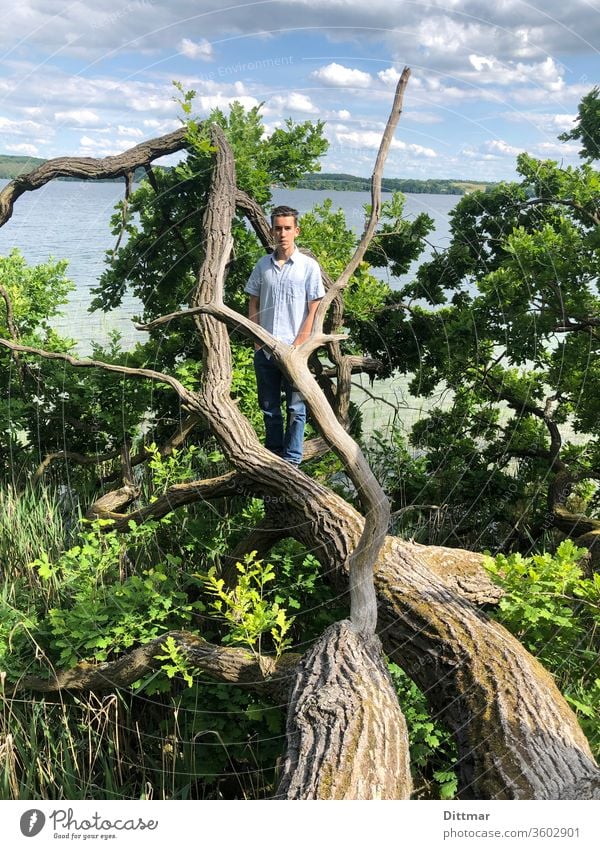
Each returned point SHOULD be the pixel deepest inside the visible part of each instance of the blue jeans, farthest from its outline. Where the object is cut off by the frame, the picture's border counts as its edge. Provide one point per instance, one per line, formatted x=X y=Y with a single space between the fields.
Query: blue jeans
x=270 y=383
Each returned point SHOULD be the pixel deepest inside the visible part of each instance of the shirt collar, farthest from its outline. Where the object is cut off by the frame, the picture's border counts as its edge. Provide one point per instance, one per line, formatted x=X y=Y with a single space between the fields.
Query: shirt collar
x=292 y=258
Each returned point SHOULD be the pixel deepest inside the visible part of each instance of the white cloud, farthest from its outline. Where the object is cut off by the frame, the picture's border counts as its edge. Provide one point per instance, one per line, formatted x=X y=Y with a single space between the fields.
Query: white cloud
x=491 y=71
x=130 y=132
x=340 y=76
x=501 y=148
x=158 y=128
x=293 y=102
x=88 y=143
x=196 y=49
x=19 y=128
x=206 y=103
x=547 y=122
x=559 y=123
x=271 y=126
x=478 y=68
x=83 y=117
x=436 y=90
x=556 y=150
x=443 y=29
x=442 y=34
x=106 y=146
x=24 y=149
x=389 y=77
x=371 y=140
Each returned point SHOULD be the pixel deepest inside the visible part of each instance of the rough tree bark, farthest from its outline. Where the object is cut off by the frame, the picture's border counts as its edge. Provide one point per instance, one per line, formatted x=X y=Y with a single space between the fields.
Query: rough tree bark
x=206 y=302
x=517 y=737
x=345 y=731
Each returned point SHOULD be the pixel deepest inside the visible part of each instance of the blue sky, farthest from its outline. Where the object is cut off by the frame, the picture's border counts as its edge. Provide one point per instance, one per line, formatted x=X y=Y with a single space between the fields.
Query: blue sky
x=488 y=80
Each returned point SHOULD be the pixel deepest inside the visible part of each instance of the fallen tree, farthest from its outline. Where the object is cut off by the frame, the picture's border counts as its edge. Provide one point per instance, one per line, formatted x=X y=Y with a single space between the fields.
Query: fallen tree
x=516 y=736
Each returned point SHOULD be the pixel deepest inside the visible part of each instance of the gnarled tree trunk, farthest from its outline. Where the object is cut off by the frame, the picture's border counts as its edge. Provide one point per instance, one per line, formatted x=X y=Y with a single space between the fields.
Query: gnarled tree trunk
x=346 y=735
x=516 y=736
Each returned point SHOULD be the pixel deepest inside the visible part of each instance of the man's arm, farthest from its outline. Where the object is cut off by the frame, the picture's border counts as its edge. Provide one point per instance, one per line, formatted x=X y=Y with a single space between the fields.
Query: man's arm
x=253 y=313
x=307 y=324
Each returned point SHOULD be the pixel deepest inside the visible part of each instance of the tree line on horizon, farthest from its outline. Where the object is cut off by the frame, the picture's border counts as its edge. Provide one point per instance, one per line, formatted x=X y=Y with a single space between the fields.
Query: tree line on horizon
x=12 y=166
x=350 y=182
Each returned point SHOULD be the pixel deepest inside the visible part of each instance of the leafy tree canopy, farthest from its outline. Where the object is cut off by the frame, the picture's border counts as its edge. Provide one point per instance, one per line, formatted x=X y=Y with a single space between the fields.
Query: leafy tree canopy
x=508 y=319
x=587 y=128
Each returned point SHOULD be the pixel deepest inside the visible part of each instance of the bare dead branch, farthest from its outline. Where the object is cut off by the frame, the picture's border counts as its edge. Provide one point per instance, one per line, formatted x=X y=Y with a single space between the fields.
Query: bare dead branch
x=369 y=232
x=87 y=168
x=75 y=456
x=177 y=495
x=147 y=374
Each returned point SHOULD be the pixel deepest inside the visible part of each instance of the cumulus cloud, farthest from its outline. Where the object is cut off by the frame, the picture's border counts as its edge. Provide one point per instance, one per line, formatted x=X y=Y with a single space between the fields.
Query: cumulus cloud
x=83 y=117
x=20 y=128
x=371 y=140
x=342 y=77
x=196 y=49
x=549 y=122
x=442 y=34
x=23 y=149
x=490 y=71
x=156 y=127
x=556 y=150
x=292 y=102
x=437 y=29
x=102 y=145
x=389 y=77
x=206 y=103
x=474 y=64
x=501 y=148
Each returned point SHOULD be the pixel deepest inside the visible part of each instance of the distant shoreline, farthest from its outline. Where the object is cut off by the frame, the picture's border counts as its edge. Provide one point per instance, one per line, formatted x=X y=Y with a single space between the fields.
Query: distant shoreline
x=351 y=183
x=12 y=167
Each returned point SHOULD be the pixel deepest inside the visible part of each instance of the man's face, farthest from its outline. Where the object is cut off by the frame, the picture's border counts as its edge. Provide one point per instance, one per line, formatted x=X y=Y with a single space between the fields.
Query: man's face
x=284 y=231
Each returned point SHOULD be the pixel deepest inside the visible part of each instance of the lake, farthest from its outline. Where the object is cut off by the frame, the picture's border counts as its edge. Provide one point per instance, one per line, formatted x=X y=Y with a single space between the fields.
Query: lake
x=71 y=220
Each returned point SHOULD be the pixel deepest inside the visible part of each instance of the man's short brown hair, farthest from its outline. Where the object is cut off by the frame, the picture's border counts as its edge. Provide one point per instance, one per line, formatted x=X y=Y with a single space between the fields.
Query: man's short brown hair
x=284 y=212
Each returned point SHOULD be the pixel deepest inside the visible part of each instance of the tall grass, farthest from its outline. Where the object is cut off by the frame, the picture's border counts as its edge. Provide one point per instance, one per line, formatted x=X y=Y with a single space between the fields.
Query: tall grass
x=63 y=749
x=121 y=746
x=30 y=521
x=163 y=740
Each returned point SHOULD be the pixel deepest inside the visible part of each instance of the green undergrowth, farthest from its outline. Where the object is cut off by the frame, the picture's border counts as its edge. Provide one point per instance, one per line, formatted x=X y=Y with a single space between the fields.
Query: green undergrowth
x=553 y=608
x=74 y=591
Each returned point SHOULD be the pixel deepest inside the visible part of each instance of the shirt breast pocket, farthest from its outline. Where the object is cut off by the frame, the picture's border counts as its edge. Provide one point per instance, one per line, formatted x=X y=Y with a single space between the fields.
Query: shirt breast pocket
x=292 y=291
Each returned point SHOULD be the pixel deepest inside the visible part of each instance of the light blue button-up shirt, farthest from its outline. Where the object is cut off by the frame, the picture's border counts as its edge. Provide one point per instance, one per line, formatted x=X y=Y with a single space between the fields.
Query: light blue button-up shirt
x=284 y=292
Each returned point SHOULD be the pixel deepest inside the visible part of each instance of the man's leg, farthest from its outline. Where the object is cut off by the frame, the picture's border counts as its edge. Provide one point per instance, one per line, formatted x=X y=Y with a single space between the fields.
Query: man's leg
x=268 y=384
x=296 y=419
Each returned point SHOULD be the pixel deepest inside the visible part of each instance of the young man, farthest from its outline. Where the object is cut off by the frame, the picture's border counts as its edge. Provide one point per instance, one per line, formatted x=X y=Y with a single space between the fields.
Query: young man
x=285 y=288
